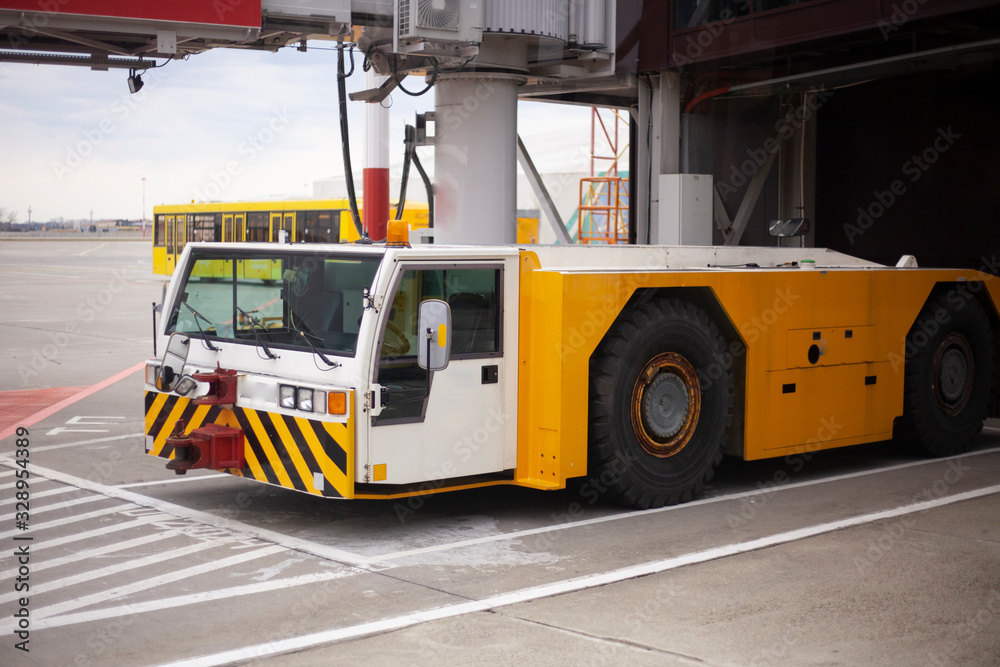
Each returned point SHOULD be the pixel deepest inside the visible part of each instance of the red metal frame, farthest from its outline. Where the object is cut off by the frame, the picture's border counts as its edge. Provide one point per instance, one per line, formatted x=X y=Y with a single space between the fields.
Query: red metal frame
x=243 y=13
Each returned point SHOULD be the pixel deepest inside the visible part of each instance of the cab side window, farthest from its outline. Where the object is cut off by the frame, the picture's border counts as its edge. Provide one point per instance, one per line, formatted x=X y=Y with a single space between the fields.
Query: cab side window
x=475 y=298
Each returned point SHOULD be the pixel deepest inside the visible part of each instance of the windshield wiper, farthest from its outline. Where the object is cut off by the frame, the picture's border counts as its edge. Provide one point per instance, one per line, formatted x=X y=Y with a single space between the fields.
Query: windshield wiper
x=306 y=336
x=204 y=336
x=254 y=323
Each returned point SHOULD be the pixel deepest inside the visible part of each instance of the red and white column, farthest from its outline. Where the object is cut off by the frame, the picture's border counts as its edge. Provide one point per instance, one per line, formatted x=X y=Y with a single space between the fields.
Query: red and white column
x=376 y=165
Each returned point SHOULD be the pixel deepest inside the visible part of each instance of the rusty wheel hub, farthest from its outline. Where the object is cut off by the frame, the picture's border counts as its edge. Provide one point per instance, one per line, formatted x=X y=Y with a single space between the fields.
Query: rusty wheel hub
x=666 y=403
x=953 y=374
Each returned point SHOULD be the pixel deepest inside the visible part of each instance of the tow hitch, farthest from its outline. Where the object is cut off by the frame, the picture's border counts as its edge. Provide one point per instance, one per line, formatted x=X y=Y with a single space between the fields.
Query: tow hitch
x=210 y=446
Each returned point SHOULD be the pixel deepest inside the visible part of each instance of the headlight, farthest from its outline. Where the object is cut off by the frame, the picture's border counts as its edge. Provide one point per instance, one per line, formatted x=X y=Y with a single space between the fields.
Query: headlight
x=305 y=399
x=286 y=396
x=311 y=400
x=151 y=374
x=185 y=386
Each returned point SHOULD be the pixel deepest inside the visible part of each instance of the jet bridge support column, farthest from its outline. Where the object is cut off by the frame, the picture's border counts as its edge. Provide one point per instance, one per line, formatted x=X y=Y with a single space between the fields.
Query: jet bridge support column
x=475 y=158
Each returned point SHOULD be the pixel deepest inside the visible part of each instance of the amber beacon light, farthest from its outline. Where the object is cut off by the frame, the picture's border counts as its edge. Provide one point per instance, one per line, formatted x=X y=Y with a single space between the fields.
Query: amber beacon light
x=398 y=234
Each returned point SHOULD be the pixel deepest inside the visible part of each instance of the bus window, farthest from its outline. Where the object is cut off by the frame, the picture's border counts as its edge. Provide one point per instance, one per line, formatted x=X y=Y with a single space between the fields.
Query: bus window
x=321 y=227
x=238 y=230
x=159 y=231
x=257 y=226
x=204 y=227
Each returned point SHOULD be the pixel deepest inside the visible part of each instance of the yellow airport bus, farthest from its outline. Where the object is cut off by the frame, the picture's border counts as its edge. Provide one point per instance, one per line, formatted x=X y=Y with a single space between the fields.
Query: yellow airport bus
x=309 y=220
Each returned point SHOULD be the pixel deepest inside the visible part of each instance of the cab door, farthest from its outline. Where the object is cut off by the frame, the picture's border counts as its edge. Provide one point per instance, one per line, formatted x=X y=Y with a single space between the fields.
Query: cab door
x=452 y=423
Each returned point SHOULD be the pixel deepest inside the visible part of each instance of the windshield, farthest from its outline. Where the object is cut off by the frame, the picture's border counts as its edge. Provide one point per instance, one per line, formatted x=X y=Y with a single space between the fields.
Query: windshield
x=279 y=298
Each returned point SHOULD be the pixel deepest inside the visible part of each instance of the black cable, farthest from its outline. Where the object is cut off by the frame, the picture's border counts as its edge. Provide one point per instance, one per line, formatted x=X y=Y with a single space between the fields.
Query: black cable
x=428 y=186
x=399 y=81
x=350 y=52
x=345 y=141
x=408 y=139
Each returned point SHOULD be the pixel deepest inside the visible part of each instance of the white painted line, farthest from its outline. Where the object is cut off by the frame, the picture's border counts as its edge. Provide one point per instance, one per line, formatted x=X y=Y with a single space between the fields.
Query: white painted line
x=7 y=473
x=67 y=520
x=146 y=584
x=298 y=544
x=86 y=442
x=84 y=556
x=117 y=568
x=40 y=494
x=375 y=560
x=32 y=481
x=991 y=429
x=81 y=254
x=193 y=598
x=90 y=534
x=562 y=587
x=42 y=275
x=57 y=506
x=185 y=478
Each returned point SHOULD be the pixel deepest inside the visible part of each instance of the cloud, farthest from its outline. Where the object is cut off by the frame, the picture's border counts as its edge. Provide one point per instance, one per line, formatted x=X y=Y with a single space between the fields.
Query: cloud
x=72 y=138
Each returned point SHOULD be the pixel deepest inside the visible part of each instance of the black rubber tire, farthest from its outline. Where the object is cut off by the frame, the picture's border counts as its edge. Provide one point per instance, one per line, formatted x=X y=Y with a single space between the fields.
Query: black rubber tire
x=620 y=468
x=934 y=422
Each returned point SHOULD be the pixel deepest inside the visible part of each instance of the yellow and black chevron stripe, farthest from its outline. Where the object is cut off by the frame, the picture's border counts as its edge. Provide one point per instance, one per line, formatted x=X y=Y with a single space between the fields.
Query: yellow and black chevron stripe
x=281 y=450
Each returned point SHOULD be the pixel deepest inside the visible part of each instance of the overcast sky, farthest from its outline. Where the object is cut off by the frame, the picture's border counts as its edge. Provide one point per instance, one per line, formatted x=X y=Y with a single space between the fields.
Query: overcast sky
x=73 y=140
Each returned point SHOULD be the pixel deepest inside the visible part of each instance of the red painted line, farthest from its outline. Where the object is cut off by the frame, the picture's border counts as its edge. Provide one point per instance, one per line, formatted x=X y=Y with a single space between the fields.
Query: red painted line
x=56 y=407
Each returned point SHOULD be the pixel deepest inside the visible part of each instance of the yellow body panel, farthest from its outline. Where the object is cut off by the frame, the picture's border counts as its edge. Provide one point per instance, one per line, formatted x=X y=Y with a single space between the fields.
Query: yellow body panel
x=527 y=230
x=160 y=261
x=850 y=395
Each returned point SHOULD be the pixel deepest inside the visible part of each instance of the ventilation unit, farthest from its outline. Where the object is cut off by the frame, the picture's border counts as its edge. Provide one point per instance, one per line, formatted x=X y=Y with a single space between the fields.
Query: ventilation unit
x=430 y=26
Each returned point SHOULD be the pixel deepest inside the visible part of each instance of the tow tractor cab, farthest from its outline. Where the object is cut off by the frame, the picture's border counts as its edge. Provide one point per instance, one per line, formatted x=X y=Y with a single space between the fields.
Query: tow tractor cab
x=339 y=370
x=378 y=371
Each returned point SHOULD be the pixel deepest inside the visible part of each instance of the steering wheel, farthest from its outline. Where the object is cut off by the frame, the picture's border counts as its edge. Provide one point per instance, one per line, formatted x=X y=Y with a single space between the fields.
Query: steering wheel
x=397 y=344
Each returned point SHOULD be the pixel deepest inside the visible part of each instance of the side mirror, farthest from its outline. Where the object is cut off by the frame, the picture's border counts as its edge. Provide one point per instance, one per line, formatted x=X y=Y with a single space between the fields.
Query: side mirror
x=434 y=335
x=789 y=227
x=174 y=358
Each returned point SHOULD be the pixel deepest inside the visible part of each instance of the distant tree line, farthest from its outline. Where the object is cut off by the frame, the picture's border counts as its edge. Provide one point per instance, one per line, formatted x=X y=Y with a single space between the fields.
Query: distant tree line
x=9 y=223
